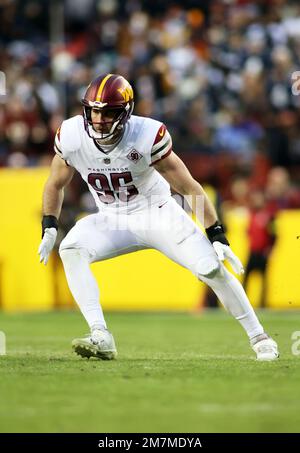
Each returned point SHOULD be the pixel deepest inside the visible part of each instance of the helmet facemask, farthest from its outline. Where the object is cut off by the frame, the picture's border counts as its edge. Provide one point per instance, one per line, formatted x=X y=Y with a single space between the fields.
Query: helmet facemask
x=111 y=124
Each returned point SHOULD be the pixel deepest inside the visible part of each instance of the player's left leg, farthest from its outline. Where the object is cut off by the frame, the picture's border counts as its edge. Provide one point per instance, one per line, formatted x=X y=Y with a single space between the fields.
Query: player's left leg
x=185 y=244
x=232 y=295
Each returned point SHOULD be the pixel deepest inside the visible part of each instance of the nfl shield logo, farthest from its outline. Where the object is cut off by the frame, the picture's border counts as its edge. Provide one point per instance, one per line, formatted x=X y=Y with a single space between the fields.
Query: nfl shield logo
x=134 y=156
x=106 y=160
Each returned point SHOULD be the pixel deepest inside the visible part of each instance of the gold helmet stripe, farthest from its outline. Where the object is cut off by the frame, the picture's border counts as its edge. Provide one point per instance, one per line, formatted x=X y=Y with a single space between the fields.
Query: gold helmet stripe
x=101 y=87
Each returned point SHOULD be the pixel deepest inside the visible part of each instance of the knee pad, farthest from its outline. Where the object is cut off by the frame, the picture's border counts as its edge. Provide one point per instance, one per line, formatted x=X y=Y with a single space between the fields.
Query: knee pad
x=208 y=267
x=72 y=253
x=67 y=254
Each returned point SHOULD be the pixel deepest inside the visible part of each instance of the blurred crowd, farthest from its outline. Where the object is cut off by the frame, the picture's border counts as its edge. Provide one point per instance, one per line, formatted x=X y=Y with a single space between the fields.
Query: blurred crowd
x=217 y=73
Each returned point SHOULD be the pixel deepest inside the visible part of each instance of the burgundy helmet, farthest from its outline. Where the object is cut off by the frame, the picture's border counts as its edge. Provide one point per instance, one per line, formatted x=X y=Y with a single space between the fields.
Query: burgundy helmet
x=113 y=96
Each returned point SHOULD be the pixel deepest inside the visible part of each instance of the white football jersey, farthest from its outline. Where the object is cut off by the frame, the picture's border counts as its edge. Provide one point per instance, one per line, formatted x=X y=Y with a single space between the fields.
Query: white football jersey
x=123 y=179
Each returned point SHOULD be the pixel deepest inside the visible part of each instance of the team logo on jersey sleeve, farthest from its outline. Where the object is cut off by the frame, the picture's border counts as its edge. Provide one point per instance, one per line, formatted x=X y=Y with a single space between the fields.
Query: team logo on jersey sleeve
x=134 y=156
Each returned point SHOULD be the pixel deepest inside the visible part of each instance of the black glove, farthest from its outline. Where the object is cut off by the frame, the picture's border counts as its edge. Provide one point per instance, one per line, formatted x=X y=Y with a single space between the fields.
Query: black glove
x=216 y=233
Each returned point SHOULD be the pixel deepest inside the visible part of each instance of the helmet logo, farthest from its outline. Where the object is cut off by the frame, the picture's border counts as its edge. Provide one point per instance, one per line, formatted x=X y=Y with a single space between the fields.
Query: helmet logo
x=126 y=92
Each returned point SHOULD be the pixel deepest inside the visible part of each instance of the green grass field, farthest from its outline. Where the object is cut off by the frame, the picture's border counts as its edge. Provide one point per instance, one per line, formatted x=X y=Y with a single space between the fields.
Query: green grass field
x=175 y=373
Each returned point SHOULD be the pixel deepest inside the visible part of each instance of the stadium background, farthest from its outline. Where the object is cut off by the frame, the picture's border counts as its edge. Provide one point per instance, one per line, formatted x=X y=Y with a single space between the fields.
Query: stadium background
x=218 y=74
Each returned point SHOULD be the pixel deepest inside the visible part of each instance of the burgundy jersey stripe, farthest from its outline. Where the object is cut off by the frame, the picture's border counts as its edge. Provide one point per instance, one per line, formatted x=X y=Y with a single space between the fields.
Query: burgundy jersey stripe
x=160 y=134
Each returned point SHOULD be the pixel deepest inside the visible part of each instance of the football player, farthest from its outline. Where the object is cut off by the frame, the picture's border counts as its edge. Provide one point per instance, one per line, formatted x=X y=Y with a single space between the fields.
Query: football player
x=128 y=164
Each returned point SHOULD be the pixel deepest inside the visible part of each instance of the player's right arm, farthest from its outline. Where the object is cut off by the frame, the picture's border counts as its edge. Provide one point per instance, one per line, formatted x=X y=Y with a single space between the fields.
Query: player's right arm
x=60 y=176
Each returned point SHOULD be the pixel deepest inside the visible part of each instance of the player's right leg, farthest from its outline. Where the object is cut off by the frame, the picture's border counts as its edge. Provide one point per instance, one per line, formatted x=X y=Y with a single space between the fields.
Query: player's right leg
x=93 y=238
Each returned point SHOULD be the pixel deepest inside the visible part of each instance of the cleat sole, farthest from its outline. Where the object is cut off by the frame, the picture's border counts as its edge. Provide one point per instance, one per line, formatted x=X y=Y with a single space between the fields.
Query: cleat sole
x=90 y=351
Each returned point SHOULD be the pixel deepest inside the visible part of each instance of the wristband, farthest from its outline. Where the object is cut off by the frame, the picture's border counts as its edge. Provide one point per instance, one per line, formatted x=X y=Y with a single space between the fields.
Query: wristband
x=49 y=221
x=216 y=233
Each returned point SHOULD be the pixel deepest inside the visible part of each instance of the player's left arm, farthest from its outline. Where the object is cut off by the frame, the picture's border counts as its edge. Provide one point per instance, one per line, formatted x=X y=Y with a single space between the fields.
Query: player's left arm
x=180 y=179
x=178 y=176
x=171 y=167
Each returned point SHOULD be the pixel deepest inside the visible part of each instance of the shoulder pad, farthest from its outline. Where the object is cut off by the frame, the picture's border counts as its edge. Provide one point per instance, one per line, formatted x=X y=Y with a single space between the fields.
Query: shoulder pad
x=147 y=129
x=70 y=139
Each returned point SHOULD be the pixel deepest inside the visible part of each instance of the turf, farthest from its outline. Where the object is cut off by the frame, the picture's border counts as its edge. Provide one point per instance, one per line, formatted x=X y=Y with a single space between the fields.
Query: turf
x=175 y=373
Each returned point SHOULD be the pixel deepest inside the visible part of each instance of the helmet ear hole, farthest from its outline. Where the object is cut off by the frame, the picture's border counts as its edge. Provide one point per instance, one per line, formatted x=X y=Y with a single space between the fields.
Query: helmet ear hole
x=88 y=113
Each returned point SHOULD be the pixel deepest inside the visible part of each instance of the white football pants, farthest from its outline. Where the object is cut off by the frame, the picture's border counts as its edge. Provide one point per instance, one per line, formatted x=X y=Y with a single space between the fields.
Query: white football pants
x=168 y=229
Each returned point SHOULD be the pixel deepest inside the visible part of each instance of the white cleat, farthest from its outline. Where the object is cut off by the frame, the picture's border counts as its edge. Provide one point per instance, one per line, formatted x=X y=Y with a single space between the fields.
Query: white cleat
x=266 y=350
x=99 y=344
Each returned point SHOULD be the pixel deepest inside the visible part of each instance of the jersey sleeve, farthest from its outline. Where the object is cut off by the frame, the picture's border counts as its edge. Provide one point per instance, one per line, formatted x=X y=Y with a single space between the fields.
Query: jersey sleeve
x=67 y=142
x=57 y=143
x=162 y=145
x=67 y=139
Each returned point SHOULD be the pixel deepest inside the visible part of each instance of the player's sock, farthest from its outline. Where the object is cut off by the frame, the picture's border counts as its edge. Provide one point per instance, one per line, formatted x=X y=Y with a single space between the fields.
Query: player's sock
x=83 y=286
x=232 y=295
x=258 y=338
